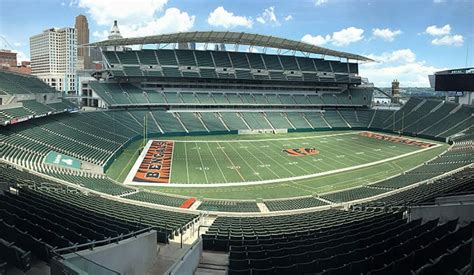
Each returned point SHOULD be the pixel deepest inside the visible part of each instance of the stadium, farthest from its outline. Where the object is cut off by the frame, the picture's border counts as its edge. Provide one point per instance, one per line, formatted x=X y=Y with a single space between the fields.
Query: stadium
x=231 y=160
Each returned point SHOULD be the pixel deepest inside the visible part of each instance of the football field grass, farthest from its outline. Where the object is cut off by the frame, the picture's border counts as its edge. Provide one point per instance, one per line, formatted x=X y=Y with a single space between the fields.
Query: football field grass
x=232 y=166
x=269 y=160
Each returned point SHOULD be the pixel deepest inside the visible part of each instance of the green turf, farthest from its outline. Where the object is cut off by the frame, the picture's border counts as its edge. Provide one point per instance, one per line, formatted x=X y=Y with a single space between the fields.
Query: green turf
x=119 y=169
x=317 y=185
x=234 y=161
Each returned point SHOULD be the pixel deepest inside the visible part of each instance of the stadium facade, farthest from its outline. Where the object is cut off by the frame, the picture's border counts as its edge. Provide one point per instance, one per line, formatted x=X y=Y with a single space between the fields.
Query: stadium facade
x=378 y=209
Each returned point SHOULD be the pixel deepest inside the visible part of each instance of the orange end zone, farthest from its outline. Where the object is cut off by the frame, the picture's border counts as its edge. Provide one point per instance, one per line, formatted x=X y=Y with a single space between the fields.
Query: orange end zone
x=156 y=165
x=397 y=139
x=188 y=203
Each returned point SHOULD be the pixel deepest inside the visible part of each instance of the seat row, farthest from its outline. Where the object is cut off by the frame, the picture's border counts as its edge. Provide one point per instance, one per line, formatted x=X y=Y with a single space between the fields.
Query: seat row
x=406 y=249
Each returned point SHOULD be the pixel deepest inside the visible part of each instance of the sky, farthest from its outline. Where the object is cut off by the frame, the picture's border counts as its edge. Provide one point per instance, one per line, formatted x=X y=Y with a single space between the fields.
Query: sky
x=409 y=39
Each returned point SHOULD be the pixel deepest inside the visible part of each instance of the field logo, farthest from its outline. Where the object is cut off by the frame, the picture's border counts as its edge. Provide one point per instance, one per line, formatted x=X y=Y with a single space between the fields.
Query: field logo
x=156 y=166
x=397 y=139
x=299 y=152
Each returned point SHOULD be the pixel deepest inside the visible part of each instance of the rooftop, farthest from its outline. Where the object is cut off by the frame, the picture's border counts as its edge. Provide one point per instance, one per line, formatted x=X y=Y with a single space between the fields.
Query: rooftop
x=227 y=37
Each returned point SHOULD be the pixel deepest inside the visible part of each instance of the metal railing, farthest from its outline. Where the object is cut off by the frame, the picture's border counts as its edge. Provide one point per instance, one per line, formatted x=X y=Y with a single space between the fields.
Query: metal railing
x=93 y=244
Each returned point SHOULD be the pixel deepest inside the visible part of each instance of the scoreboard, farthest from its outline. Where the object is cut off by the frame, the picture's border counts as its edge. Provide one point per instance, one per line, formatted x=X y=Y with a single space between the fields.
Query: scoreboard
x=462 y=82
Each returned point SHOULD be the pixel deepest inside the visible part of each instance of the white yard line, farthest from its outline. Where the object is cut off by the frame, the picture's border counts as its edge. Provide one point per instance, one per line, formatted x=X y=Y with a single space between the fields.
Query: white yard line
x=277 y=163
x=268 y=168
x=292 y=178
x=202 y=164
x=246 y=163
x=187 y=166
x=232 y=163
x=217 y=163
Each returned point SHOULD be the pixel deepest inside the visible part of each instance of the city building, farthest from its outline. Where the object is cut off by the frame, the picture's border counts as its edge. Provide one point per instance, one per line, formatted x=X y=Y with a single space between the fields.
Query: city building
x=82 y=33
x=114 y=32
x=53 y=58
x=8 y=58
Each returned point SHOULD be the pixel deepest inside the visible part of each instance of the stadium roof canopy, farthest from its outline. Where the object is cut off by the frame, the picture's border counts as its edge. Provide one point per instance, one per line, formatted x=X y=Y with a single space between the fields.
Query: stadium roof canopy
x=227 y=37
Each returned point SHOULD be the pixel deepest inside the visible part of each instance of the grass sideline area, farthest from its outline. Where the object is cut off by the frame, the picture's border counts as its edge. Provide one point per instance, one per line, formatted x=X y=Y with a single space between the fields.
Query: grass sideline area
x=118 y=170
x=295 y=188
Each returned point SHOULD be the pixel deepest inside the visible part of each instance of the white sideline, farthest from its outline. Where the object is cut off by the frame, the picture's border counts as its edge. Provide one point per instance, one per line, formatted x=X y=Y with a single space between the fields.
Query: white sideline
x=233 y=184
x=138 y=162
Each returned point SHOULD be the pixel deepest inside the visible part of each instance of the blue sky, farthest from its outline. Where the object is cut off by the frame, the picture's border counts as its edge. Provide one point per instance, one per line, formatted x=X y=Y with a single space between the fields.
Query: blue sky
x=410 y=39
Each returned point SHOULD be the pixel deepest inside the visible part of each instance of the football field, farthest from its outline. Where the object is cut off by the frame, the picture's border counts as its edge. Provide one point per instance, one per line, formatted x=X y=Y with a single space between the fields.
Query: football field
x=224 y=161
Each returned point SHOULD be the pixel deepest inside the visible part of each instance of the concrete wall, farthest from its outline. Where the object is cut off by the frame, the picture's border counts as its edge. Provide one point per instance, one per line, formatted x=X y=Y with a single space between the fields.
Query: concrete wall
x=190 y=261
x=465 y=212
x=461 y=199
x=132 y=256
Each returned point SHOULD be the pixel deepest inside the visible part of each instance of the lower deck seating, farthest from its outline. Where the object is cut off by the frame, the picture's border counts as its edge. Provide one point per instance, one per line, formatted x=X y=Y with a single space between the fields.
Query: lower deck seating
x=353 y=194
x=167 y=223
x=298 y=121
x=458 y=182
x=386 y=246
x=228 y=206
x=31 y=222
x=227 y=232
x=339 y=242
x=96 y=183
x=278 y=120
x=211 y=120
x=156 y=198
x=291 y=204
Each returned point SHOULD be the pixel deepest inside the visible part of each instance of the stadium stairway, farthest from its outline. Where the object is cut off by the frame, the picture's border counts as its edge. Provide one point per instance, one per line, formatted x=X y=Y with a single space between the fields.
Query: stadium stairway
x=212 y=262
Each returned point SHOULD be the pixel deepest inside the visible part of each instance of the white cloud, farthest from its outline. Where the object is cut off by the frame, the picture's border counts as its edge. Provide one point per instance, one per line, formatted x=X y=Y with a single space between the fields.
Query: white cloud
x=317 y=40
x=288 y=17
x=435 y=30
x=222 y=18
x=320 y=2
x=268 y=16
x=104 y=12
x=137 y=18
x=404 y=55
x=173 y=20
x=444 y=37
x=63 y=4
x=343 y=37
x=100 y=35
x=347 y=36
x=386 y=34
x=400 y=64
x=449 y=40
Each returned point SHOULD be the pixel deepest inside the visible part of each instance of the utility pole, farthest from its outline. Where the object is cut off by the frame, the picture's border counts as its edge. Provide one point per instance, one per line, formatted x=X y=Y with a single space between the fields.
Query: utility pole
x=144 y=131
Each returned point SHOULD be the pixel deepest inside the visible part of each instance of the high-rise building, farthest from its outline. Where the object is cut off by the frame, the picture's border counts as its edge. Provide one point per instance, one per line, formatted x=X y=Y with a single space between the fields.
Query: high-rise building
x=82 y=33
x=53 y=58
